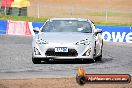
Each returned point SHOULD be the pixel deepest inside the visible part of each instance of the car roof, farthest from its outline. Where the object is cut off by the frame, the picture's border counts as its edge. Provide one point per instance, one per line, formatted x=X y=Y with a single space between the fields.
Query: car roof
x=79 y=19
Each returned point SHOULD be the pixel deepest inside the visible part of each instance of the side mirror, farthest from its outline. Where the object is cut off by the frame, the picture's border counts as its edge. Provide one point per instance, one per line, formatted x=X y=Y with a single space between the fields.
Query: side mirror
x=96 y=31
x=36 y=29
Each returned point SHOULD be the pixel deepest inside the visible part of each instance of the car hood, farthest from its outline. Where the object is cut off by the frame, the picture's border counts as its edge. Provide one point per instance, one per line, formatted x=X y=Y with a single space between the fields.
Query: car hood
x=65 y=37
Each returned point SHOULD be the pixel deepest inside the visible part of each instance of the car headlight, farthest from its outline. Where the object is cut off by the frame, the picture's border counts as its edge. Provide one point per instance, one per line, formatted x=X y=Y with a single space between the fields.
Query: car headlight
x=83 y=42
x=40 y=41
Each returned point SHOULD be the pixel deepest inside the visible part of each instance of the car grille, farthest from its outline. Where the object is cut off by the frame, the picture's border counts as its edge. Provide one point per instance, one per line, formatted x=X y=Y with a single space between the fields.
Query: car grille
x=51 y=52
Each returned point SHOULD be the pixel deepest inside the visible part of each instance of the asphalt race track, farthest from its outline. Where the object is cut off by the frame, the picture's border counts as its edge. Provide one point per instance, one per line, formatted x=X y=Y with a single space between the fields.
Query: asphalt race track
x=16 y=62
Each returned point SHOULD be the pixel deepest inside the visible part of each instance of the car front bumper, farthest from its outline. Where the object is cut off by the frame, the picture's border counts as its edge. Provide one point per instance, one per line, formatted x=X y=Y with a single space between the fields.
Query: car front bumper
x=60 y=57
x=81 y=50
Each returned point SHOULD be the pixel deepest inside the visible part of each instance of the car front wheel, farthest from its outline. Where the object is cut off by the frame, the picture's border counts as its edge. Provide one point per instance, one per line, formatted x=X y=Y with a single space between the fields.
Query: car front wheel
x=99 y=58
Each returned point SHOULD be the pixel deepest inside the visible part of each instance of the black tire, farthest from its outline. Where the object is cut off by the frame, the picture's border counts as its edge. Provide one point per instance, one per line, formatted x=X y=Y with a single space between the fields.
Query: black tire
x=36 y=60
x=99 y=58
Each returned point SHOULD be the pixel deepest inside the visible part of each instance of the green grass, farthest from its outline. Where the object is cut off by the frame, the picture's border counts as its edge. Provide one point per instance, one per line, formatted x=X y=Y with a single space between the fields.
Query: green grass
x=33 y=19
x=113 y=24
x=23 y=18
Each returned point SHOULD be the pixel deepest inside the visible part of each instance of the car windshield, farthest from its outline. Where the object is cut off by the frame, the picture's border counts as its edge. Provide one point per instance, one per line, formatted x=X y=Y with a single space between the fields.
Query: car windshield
x=67 y=26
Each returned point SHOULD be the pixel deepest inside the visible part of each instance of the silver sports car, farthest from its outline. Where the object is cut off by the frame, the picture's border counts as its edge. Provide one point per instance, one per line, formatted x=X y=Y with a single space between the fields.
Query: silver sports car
x=67 y=38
